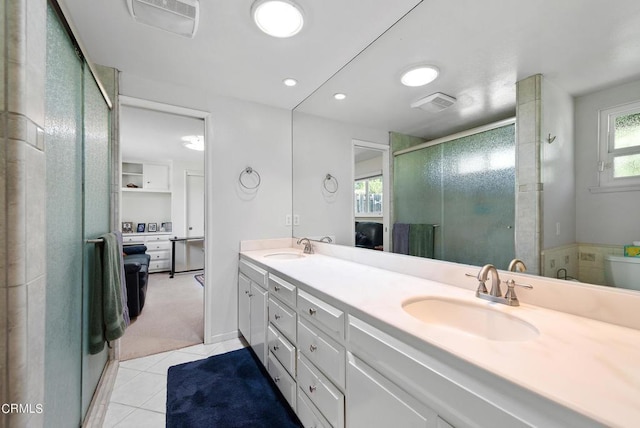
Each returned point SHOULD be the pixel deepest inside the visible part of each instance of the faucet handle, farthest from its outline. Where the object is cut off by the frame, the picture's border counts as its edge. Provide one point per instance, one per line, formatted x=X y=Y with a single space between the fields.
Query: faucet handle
x=481 y=287
x=511 y=297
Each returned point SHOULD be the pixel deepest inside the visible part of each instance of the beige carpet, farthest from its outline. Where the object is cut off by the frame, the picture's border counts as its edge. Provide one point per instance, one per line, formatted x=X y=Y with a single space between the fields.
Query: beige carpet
x=172 y=317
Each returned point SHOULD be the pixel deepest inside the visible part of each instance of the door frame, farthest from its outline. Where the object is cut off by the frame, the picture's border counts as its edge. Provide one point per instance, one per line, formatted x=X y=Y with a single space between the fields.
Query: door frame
x=386 y=187
x=124 y=100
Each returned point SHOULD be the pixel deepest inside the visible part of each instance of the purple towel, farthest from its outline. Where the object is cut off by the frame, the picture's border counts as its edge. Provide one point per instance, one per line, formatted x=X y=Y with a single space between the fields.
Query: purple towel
x=401 y=238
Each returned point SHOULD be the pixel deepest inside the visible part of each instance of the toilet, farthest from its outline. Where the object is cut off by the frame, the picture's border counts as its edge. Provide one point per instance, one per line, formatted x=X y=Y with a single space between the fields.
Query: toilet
x=622 y=272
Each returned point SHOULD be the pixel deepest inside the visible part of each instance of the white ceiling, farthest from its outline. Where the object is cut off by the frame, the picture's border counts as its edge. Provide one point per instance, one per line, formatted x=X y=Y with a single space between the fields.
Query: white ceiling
x=150 y=135
x=481 y=47
x=229 y=55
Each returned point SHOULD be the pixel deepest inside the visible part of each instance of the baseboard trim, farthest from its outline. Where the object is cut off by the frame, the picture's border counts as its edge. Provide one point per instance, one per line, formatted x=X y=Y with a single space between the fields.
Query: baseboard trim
x=100 y=401
x=222 y=337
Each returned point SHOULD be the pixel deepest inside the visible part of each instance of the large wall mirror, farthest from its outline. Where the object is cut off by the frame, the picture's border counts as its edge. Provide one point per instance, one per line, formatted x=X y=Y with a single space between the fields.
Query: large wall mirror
x=515 y=105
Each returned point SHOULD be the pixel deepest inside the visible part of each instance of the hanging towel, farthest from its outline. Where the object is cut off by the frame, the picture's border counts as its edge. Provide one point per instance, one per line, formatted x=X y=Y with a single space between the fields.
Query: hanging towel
x=123 y=280
x=421 y=240
x=401 y=238
x=106 y=317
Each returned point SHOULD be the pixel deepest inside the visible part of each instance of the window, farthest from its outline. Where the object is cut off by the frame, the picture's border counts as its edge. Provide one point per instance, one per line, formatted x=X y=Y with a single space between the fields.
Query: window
x=368 y=196
x=619 y=163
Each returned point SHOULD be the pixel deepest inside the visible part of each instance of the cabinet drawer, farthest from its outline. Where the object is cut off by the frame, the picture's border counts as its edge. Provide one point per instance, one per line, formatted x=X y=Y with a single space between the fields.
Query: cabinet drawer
x=159 y=265
x=308 y=414
x=158 y=245
x=283 y=318
x=282 y=349
x=133 y=239
x=156 y=238
x=159 y=255
x=283 y=289
x=321 y=313
x=323 y=351
x=327 y=398
x=283 y=380
x=256 y=274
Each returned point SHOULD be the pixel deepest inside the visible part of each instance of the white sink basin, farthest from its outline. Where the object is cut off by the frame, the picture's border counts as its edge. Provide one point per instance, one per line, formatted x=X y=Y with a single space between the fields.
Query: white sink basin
x=284 y=256
x=478 y=320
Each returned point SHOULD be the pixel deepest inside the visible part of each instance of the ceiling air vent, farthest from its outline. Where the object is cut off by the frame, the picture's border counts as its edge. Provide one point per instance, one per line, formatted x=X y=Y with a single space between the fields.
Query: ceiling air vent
x=434 y=102
x=176 y=16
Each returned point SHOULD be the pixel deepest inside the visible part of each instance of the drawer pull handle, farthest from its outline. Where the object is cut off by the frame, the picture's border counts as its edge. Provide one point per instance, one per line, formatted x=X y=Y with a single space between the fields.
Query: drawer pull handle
x=312 y=348
x=246 y=291
x=276 y=379
x=250 y=295
x=276 y=288
x=312 y=311
x=312 y=388
x=276 y=347
x=276 y=316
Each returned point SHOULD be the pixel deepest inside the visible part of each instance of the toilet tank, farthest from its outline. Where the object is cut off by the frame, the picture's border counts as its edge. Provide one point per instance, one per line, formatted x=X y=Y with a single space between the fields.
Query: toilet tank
x=622 y=272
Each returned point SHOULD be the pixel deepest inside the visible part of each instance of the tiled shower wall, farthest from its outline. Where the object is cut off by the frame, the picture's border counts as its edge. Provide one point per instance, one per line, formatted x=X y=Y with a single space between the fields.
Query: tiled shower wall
x=22 y=217
x=584 y=262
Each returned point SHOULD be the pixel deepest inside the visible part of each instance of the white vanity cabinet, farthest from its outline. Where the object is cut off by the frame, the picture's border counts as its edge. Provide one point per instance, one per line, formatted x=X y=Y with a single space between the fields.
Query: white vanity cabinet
x=321 y=359
x=252 y=308
x=281 y=336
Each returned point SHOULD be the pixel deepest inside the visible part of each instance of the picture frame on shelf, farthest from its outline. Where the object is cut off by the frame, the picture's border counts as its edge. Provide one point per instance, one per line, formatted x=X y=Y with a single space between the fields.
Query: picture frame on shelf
x=127 y=227
x=140 y=228
x=152 y=227
x=166 y=226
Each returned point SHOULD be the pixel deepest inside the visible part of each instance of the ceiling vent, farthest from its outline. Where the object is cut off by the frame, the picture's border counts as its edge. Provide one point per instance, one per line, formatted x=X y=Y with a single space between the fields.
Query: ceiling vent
x=434 y=102
x=175 y=16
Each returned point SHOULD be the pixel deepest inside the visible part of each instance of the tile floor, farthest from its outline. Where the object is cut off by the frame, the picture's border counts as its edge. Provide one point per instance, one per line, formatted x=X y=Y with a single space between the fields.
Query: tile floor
x=139 y=395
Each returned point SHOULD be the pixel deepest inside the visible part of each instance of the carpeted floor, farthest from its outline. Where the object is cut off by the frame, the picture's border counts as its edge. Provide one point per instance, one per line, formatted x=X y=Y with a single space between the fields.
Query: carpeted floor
x=230 y=390
x=172 y=317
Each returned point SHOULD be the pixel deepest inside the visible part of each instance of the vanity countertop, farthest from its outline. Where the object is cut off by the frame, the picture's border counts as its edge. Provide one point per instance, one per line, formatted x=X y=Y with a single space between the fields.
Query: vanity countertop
x=586 y=365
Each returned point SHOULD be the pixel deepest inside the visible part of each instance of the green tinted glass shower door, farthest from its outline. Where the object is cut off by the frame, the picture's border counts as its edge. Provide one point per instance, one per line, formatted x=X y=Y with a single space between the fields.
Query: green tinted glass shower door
x=77 y=208
x=96 y=178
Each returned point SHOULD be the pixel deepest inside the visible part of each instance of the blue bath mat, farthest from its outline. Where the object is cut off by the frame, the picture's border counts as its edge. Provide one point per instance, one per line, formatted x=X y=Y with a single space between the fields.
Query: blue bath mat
x=225 y=391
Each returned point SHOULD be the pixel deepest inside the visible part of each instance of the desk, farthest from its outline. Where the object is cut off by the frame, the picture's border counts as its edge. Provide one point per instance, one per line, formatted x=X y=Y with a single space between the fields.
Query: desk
x=173 y=253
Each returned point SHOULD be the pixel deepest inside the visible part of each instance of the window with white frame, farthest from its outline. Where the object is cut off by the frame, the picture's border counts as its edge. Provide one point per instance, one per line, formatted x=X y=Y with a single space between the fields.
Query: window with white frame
x=368 y=196
x=619 y=162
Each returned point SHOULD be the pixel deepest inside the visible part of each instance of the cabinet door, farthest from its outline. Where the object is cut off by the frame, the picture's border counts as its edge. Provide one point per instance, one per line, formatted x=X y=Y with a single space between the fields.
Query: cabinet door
x=244 y=306
x=259 y=321
x=156 y=177
x=374 y=401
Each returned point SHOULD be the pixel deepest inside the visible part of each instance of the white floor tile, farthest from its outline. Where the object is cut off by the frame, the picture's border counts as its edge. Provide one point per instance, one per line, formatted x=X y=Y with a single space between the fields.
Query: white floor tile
x=116 y=413
x=157 y=403
x=140 y=389
x=201 y=349
x=145 y=362
x=125 y=376
x=228 y=346
x=141 y=418
x=177 y=357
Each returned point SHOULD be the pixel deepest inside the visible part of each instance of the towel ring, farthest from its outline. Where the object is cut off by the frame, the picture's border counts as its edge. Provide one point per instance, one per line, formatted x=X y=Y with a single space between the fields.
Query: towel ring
x=248 y=171
x=329 y=178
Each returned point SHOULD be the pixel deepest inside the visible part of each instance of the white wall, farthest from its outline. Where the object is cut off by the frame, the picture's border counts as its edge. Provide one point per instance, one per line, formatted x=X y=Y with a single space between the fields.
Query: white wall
x=368 y=167
x=239 y=134
x=323 y=146
x=602 y=218
x=558 y=169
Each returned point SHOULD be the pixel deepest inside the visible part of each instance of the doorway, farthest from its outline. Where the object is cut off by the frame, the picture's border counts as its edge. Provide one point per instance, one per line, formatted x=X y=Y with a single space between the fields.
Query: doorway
x=371 y=195
x=163 y=197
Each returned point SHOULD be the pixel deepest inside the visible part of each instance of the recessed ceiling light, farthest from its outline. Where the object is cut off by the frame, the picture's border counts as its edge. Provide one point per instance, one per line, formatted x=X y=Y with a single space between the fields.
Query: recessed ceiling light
x=193 y=142
x=339 y=96
x=290 y=82
x=419 y=76
x=278 y=18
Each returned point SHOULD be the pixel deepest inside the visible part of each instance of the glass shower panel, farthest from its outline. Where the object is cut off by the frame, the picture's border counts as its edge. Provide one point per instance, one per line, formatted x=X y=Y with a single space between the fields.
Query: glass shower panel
x=479 y=198
x=417 y=189
x=96 y=216
x=63 y=143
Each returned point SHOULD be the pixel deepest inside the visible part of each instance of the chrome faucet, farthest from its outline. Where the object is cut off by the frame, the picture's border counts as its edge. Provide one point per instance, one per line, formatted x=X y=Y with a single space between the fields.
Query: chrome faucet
x=308 y=248
x=517 y=263
x=495 y=294
x=326 y=239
